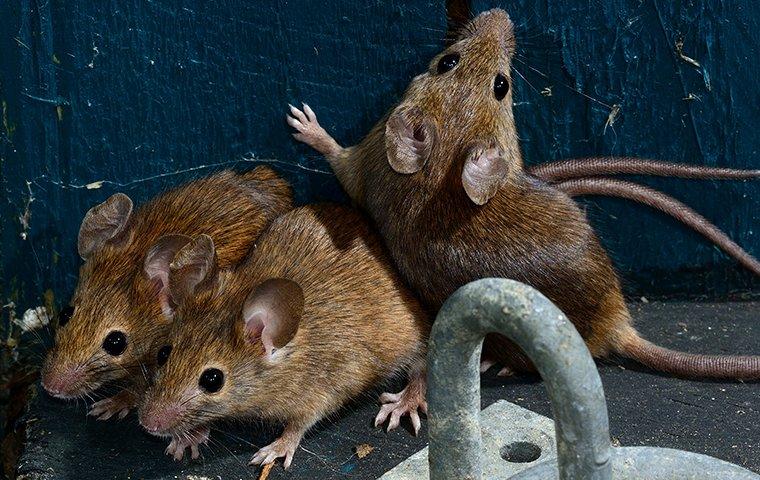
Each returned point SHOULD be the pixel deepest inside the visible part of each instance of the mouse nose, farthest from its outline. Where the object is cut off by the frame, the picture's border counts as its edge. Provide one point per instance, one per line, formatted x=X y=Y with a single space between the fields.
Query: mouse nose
x=159 y=420
x=495 y=21
x=63 y=383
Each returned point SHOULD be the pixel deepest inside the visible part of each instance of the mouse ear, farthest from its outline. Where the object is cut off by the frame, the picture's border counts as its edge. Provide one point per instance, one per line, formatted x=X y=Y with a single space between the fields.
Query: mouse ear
x=272 y=313
x=157 y=268
x=485 y=171
x=103 y=223
x=409 y=137
x=192 y=264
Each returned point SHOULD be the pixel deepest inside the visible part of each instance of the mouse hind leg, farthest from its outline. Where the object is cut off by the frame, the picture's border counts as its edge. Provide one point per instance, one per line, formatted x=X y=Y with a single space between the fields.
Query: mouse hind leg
x=409 y=401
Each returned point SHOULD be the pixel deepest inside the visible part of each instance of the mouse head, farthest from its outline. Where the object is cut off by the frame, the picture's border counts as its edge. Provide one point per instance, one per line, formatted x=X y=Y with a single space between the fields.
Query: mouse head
x=120 y=303
x=225 y=347
x=455 y=123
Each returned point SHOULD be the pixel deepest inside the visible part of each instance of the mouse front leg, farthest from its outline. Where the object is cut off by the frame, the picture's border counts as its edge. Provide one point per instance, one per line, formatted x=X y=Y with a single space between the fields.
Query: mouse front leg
x=407 y=401
x=285 y=446
x=120 y=404
x=192 y=440
x=310 y=132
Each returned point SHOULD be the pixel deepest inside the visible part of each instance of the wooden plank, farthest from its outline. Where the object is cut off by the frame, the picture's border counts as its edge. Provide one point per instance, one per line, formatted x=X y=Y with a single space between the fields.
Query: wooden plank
x=158 y=93
x=606 y=78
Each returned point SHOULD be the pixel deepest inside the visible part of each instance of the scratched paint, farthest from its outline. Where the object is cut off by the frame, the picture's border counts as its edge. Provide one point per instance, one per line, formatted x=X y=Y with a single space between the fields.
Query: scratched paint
x=152 y=94
x=662 y=79
x=139 y=96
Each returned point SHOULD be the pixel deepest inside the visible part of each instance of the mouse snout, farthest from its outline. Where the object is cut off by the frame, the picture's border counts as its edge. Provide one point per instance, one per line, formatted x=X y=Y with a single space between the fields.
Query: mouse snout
x=494 y=23
x=62 y=383
x=159 y=420
x=495 y=18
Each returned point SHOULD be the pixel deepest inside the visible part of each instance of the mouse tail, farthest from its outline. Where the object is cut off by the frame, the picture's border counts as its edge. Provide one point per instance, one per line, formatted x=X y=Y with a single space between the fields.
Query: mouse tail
x=688 y=365
x=666 y=204
x=584 y=167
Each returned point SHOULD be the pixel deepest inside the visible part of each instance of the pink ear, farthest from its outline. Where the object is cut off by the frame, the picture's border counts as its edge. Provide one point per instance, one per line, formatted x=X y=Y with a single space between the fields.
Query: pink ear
x=105 y=222
x=157 y=268
x=409 y=137
x=272 y=313
x=485 y=171
x=194 y=263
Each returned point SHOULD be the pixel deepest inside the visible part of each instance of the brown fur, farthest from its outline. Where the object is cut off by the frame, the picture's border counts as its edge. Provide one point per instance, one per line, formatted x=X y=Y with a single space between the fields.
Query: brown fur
x=359 y=326
x=528 y=231
x=113 y=291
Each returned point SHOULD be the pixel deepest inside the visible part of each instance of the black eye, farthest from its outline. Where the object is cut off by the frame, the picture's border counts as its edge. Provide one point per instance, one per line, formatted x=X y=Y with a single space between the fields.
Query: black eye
x=163 y=355
x=500 y=87
x=211 y=380
x=65 y=315
x=447 y=62
x=115 y=343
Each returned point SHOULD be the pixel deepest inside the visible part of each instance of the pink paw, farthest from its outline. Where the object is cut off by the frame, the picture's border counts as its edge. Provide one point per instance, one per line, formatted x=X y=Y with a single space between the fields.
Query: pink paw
x=192 y=440
x=120 y=404
x=282 y=447
x=504 y=372
x=310 y=131
x=396 y=405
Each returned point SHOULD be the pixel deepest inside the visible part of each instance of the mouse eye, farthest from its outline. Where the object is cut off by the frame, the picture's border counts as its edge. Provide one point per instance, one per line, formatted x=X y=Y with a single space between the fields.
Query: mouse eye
x=163 y=355
x=447 y=62
x=211 y=380
x=65 y=315
x=115 y=343
x=500 y=87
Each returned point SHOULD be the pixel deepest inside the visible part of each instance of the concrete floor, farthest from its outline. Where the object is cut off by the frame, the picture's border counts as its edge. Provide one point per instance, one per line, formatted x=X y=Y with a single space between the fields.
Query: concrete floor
x=714 y=418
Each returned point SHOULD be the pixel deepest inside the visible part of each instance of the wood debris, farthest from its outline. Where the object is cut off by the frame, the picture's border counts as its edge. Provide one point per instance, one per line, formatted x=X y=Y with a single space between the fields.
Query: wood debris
x=363 y=450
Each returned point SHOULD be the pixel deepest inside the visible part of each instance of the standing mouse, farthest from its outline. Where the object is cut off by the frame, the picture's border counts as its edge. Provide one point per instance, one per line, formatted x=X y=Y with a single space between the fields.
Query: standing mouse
x=121 y=303
x=573 y=176
x=442 y=176
x=312 y=318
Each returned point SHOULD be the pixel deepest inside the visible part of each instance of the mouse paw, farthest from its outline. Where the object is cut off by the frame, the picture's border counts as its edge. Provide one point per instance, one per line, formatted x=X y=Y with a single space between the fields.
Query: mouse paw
x=485 y=365
x=192 y=440
x=311 y=132
x=408 y=401
x=120 y=404
x=285 y=446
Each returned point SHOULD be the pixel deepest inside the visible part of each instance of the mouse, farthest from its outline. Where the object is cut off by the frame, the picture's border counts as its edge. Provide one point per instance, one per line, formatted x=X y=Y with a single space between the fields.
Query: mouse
x=586 y=176
x=314 y=316
x=447 y=158
x=120 y=302
x=576 y=177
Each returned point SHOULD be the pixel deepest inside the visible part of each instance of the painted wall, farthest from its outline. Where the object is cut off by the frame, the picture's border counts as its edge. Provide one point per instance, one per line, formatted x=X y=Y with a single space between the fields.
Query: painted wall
x=137 y=96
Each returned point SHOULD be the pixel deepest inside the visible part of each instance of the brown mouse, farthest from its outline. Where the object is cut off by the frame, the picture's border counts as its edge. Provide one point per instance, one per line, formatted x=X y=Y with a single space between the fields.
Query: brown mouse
x=315 y=316
x=442 y=176
x=120 y=303
x=572 y=176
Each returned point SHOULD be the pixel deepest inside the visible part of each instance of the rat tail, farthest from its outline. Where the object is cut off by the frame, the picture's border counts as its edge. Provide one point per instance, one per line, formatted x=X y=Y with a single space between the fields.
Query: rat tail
x=689 y=365
x=584 y=167
x=664 y=203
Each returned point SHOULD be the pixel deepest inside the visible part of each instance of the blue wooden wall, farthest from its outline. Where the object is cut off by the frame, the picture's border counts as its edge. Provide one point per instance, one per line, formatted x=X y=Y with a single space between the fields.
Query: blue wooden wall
x=139 y=95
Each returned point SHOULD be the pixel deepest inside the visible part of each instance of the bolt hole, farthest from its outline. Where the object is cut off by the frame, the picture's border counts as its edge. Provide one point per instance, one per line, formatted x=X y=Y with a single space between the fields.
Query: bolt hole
x=520 y=452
